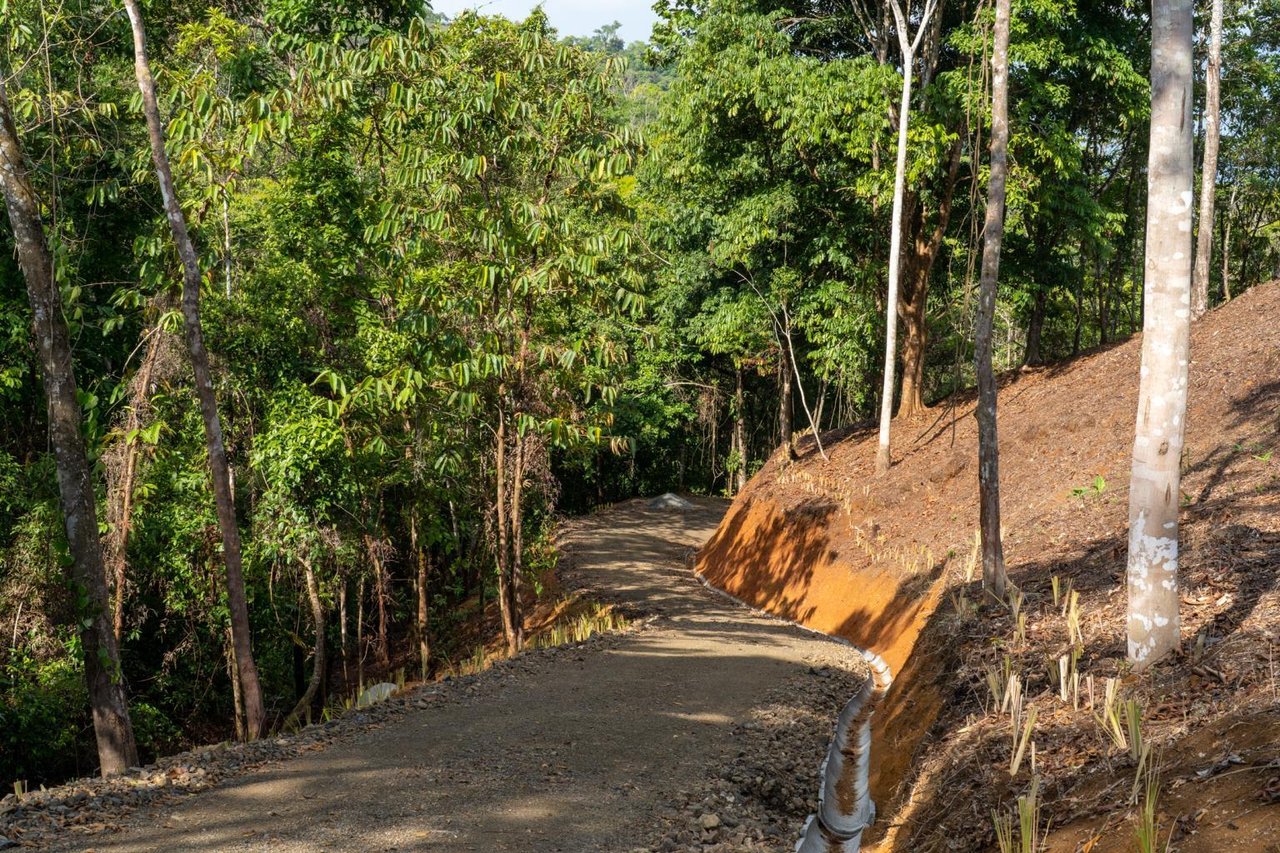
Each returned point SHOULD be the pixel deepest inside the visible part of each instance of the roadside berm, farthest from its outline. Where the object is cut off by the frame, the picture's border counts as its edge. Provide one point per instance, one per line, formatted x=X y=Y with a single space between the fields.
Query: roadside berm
x=889 y=563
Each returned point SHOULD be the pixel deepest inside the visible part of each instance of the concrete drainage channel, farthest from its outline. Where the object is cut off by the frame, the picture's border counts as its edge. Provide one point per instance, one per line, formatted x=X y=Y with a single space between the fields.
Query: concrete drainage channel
x=845 y=807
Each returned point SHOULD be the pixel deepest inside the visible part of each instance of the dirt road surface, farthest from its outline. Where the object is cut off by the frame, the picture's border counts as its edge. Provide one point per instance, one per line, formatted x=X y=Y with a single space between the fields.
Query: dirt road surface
x=615 y=745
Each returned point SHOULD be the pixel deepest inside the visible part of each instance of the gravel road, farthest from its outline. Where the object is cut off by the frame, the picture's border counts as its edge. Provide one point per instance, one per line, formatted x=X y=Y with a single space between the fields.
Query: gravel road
x=701 y=729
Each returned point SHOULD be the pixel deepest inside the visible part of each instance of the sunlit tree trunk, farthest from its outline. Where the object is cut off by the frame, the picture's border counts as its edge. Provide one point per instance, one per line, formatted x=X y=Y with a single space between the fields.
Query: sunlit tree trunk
x=1209 y=166
x=993 y=571
x=220 y=469
x=784 y=405
x=111 y=724
x=908 y=47
x=1162 y=395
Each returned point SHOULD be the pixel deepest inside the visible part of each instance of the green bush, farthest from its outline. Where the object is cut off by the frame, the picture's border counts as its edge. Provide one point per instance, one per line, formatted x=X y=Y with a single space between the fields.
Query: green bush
x=45 y=730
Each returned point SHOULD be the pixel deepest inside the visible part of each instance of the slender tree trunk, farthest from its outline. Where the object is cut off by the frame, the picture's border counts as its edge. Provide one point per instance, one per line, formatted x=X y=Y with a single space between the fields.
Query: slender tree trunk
x=1104 y=299
x=120 y=486
x=993 y=570
x=373 y=549
x=1078 y=293
x=318 y=653
x=360 y=634
x=883 y=457
x=785 y=437
x=504 y=541
x=908 y=47
x=380 y=589
x=740 y=434
x=342 y=628
x=1209 y=168
x=111 y=724
x=516 y=517
x=421 y=625
x=1162 y=397
x=233 y=674
x=1226 y=247
x=220 y=469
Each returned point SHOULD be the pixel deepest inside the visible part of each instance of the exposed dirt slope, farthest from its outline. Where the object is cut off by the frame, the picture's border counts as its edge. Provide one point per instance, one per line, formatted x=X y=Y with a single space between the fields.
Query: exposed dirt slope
x=702 y=729
x=882 y=562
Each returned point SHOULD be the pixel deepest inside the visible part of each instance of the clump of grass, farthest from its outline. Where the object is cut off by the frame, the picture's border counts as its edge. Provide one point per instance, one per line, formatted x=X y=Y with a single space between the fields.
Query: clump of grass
x=1015 y=598
x=1072 y=613
x=998 y=678
x=1133 y=724
x=964 y=608
x=1112 y=718
x=1064 y=675
x=1021 y=738
x=576 y=629
x=1018 y=831
x=1006 y=689
x=1061 y=591
x=1147 y=820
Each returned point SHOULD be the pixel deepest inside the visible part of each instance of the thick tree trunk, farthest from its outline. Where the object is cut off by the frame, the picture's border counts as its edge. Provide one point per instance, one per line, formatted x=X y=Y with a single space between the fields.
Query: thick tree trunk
x=1035 y=328
x=318 y=652
x=993 y=571
x=1162 y=395
x=915 y=339
x=1209 y=168
x=220 y=469
x=112 y=727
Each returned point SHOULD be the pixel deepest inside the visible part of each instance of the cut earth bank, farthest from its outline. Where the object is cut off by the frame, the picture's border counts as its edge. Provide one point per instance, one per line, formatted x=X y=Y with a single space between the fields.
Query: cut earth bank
x=888 y=563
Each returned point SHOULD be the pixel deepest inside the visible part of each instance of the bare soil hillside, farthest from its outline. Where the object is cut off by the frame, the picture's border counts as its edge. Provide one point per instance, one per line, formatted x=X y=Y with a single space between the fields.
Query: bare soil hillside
x=888 y=563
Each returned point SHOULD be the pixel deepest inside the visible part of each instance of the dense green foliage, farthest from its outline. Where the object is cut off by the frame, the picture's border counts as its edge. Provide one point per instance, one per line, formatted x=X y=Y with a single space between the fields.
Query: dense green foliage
x=461 y=275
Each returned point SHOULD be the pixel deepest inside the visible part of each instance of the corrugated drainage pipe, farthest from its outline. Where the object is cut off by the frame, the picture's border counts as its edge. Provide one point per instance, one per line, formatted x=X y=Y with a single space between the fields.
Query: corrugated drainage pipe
x=845 y=807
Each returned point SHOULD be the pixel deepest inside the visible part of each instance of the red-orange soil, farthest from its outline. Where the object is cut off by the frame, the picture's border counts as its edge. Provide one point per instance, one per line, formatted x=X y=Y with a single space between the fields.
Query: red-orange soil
x=883 y=563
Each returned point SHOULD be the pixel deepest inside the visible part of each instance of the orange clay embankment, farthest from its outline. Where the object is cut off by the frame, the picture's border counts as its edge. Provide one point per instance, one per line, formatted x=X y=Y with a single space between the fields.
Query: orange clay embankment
x=830 y=545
